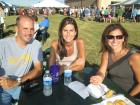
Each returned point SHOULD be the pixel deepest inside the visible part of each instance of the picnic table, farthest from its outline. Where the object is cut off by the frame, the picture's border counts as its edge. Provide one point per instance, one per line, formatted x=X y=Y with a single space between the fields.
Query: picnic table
x=62 y=95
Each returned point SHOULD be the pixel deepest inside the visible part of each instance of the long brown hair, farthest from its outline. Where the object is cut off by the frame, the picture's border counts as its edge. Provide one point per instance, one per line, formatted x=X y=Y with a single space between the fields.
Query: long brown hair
x=61 y=42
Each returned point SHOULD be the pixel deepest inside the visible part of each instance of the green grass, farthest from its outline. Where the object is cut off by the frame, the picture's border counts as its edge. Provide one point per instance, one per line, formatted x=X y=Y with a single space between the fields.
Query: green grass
x=90 y=31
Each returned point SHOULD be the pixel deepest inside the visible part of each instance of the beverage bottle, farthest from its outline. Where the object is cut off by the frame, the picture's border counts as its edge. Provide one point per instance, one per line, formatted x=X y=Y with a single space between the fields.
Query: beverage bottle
x=47 y=83
x=44 y=66
x=67 y=77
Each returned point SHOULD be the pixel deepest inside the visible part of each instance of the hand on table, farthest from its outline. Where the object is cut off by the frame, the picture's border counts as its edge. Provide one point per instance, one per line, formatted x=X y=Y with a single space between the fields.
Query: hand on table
x=7 y=83
x=96 y=80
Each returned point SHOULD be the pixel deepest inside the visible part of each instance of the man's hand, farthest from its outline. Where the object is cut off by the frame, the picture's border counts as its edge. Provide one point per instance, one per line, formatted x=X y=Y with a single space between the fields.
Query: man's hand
x=7 y=83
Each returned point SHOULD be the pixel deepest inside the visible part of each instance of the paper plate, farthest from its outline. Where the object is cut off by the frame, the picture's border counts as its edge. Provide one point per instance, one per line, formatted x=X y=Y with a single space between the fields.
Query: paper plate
x=117 y=97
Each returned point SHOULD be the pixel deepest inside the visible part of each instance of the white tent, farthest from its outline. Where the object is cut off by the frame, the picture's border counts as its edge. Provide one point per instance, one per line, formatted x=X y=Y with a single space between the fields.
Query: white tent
x=24 y=3
x=50 y=3
x=5 y=4
x=128 y=2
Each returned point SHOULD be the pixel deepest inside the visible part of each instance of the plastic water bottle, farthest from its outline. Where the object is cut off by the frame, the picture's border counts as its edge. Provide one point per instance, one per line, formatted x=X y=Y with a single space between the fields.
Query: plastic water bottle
x=47 y=82
x=67 y=77
x=44 y=66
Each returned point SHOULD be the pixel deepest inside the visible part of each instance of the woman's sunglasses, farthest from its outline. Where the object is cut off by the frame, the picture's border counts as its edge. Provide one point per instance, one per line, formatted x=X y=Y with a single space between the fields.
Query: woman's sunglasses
x=110 y=37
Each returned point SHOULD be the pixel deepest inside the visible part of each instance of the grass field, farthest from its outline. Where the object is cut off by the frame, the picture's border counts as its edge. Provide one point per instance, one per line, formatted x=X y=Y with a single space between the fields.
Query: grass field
x=90 y=31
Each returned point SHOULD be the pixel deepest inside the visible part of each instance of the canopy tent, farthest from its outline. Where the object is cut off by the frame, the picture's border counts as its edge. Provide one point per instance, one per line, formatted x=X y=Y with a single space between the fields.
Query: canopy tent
x=131 y=3
x=50 y=3
x=5 y=4
x=24 y=3
x=128 y=2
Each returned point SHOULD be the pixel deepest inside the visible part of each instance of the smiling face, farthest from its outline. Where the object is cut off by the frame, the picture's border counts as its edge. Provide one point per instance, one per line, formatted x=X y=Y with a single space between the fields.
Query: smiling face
x=25 y=29
x=68 y=33
x=117 y=40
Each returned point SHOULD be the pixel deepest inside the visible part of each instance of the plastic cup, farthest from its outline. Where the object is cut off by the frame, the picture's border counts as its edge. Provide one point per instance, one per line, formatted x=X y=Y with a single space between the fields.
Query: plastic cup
x=54 y=70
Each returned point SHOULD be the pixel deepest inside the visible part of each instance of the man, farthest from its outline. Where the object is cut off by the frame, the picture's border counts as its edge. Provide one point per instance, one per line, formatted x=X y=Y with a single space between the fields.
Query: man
x=120 y=13
x=17 y=56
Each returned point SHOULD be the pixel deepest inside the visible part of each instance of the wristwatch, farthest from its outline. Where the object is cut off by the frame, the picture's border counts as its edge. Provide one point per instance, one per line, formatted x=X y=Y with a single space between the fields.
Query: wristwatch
x=19 y=80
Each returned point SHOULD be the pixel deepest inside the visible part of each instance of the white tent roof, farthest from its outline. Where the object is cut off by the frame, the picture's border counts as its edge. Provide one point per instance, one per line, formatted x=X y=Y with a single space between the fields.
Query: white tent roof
x=25 y=3
x=50 y=3
x=128 y=2
x=5 y=4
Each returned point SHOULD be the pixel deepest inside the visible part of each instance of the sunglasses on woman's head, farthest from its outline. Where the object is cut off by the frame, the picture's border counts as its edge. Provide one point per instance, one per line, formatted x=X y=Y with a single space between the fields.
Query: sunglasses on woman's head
x=110 y=37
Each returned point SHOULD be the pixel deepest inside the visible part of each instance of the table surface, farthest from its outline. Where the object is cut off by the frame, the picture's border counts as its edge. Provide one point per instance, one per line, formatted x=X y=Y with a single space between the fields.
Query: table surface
x=62 y=95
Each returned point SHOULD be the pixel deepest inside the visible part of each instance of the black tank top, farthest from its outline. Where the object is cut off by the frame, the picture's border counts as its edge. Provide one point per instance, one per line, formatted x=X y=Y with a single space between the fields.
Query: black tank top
x=122 y=74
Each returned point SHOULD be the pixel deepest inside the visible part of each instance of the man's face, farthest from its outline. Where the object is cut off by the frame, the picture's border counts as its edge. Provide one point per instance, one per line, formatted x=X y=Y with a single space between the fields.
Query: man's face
x=25 y=30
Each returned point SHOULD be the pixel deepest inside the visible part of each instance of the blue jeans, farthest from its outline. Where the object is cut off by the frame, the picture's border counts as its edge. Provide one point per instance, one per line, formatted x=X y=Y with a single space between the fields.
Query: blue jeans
x=7 y=96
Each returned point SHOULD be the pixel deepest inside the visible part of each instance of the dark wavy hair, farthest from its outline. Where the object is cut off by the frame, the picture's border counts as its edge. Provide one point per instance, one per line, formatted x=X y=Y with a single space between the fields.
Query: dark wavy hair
x=61 y=42
x=107 y=30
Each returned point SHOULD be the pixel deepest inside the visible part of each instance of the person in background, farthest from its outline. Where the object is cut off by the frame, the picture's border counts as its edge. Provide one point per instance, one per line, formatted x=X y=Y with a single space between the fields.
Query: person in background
x=120 y=13
x=2 y=21
x=115 y=48
x=138 y=14
x=6 y=11
x=134 y=14
x=97 y=15
x=102 y=14
x=106 y=13
x=44 y=24
x=18 y=55
x=36 y=25
x=42 y=34
x=68 y=50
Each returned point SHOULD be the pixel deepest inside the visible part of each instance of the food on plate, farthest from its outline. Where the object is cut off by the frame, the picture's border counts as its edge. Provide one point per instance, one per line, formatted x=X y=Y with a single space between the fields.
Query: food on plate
x=109 y=103
x=116 y=102
x=109 y=93
x=119 y=102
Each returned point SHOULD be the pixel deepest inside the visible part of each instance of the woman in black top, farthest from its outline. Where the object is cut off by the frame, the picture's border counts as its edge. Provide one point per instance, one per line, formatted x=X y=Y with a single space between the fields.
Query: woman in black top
x=114 y=48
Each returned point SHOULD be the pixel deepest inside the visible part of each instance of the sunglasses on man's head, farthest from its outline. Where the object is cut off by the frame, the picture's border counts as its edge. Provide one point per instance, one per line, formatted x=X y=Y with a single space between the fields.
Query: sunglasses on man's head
x=109 y=37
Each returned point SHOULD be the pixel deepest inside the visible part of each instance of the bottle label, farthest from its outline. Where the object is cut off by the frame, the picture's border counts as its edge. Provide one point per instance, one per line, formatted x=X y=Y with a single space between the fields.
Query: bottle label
x=47 y=81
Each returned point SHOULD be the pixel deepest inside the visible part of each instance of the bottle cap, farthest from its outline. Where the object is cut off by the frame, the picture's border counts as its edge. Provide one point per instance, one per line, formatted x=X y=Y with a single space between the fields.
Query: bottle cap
x=44 y=63
x=47 y=71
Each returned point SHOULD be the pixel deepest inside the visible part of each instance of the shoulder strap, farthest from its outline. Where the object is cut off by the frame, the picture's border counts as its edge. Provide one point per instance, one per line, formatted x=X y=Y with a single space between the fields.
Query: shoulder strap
x=121 y=60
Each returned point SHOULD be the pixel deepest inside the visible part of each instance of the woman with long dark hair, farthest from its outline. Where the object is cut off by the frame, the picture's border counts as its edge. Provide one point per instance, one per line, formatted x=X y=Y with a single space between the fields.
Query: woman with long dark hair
x=68 y=50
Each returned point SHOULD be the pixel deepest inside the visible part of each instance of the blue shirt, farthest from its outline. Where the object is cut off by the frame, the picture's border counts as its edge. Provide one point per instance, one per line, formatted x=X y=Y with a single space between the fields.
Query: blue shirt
x=44 y=23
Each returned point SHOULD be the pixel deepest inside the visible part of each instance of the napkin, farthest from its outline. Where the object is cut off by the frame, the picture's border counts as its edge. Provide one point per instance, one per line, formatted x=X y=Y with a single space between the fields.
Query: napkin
x=97 y=91
x=79 y=88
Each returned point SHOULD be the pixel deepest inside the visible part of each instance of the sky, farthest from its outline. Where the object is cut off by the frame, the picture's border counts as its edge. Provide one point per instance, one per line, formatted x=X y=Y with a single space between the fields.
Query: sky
x=25 y=2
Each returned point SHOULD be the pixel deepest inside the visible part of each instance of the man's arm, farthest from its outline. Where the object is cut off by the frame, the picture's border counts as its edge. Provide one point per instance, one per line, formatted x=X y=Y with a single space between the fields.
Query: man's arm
x=35 y=72
x=7 y=83
x=37 y=66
